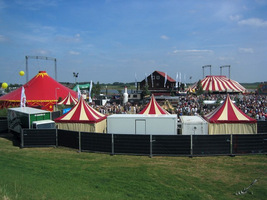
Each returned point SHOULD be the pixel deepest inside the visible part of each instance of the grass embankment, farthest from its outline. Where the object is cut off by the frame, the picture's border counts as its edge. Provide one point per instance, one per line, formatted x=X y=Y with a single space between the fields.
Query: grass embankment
x=60 y=173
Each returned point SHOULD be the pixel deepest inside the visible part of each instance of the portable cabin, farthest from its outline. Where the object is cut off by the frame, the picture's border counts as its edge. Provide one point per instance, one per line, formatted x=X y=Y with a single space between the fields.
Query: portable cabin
x=142 y=124
x=192 y=125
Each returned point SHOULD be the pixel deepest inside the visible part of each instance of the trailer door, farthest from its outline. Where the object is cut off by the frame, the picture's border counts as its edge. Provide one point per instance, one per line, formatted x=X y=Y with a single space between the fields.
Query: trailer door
x=140 y=126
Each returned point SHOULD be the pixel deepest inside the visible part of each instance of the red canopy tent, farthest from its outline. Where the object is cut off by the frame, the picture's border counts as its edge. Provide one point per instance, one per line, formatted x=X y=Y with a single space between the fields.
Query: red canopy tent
x=41 y=91
x=229 y=119
x=82 y=117
x=220 y=84
x=153 y=108
x=69 y=100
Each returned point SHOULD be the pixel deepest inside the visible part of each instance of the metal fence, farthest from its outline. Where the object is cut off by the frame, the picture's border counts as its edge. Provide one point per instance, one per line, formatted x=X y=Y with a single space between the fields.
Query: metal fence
x=38 y=138
x=169 y=145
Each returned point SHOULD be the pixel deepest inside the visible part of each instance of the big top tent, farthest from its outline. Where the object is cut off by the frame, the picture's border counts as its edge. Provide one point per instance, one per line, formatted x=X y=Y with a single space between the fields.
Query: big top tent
x=229 y=119
x=219 y=84
x=153 y=108
x=82 y=117
x=41 y=91
x=69 y=100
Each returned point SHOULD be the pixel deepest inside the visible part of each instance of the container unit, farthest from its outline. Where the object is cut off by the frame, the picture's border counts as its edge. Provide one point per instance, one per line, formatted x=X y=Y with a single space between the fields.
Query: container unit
x=192 y=125
x=142 y=124
x=23 y=117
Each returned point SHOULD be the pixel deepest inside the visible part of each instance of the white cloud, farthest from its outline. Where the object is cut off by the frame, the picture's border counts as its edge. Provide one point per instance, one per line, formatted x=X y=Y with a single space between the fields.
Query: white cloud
x=164 y=37
x=246 y=50
x=253 y=22
x=193 y=51
x=74 y=53
x=235 y=17
x=3 y=38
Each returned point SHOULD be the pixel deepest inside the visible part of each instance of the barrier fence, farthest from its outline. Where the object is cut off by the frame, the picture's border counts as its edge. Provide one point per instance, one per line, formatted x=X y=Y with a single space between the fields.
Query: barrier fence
x=151 y=145
x=171 y=145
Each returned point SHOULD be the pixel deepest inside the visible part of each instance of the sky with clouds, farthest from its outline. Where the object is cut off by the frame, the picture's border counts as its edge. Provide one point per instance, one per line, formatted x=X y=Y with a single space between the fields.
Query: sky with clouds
x=112 y=40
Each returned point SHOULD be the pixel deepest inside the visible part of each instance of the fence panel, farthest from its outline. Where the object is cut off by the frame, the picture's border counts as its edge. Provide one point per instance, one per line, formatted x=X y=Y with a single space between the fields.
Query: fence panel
x=68 y=139
x=38 y=137
x=96 y=142
x=132 y=144
x=211 y=144
x=171 y=145
x=3 y=125
x=261 y=126
x=250 y=144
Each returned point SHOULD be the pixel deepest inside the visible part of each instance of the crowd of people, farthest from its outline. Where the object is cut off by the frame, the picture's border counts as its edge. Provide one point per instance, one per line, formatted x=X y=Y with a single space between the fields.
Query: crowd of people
x=252 y=105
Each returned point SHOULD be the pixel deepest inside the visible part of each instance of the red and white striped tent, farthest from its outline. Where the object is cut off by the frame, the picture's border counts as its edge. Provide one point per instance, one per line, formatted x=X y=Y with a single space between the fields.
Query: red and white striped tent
x=83 y=117
x=69 y=100
x=153 y=108
x=229 y=119
x=220 y=84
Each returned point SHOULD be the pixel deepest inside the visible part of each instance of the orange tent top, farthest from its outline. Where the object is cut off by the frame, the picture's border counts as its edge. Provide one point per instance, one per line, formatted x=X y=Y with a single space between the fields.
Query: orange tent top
x=41 y=91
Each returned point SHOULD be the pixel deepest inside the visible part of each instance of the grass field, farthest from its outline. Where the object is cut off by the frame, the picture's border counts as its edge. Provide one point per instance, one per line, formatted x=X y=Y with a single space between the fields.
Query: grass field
x=61 y=173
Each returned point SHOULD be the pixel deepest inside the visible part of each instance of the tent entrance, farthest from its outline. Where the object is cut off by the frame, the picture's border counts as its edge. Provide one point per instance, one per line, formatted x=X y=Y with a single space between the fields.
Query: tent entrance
x=140 y=126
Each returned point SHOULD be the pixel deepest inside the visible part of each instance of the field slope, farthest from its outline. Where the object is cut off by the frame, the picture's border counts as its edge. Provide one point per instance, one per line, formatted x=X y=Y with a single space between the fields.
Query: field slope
x=60 y=173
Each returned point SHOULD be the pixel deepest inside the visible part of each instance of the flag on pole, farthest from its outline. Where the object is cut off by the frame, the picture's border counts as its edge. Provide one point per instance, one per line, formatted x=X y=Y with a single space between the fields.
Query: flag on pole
x=90 y=90
x=165 y=81
x=152 y=77
x=135 y=81
x=23 y=98
x=146 y=78
x=79 y=92
x=176 y=84
x=185 y=80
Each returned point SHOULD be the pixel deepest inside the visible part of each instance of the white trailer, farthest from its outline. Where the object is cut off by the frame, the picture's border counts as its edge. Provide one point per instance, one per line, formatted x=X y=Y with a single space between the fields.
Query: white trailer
x=142 y=124
x=193 y=125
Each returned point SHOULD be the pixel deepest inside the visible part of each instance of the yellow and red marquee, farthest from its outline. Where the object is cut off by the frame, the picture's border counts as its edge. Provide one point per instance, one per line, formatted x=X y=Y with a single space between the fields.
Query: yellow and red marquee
x=69 y=100
x=228 y=112
x=81 y=113
x=153 y=108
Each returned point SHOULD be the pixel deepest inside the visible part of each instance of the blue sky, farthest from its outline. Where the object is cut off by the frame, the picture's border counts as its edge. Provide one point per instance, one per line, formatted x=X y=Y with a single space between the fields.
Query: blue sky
x=112 y=40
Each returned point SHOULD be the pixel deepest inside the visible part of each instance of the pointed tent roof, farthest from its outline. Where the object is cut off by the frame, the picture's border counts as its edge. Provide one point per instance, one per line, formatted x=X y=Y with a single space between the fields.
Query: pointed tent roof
x=81 y=113
x=220 y=84
x=41 y=90
x=228 y=112
x=153 y=108
x=68 y=100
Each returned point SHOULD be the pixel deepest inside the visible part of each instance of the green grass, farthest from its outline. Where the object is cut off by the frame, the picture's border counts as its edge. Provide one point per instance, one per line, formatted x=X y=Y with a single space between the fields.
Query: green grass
x=61 y=173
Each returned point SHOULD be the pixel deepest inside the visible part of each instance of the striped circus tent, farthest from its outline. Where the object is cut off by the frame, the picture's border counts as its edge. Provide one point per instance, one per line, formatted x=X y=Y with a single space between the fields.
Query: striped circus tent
x=153 y=108
x=229 y=119
x=82 y=117
x=69 y=100
x=41 y=91
x=220 y=84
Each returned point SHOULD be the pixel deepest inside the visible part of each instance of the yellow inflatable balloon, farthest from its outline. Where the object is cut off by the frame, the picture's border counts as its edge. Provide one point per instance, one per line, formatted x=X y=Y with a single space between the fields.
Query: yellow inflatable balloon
x=4 y=85
x=21 y=73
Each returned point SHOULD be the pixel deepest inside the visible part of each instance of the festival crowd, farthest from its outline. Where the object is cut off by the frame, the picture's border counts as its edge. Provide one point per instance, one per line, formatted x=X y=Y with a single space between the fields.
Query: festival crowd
x=252 y=105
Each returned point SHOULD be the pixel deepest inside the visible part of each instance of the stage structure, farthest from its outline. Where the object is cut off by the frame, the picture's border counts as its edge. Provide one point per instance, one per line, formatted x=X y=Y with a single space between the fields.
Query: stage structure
x=42 y=58
x=205 y=66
